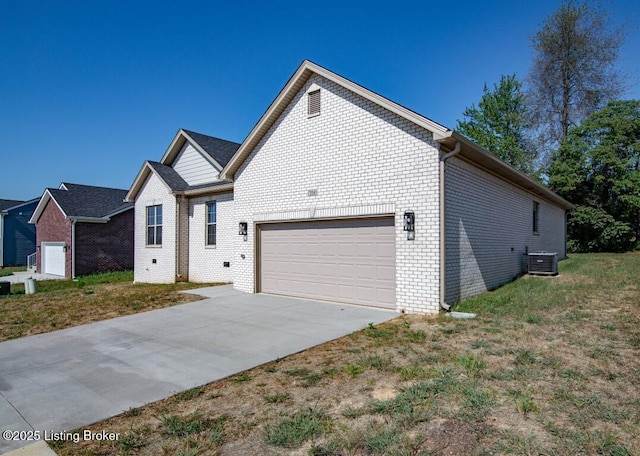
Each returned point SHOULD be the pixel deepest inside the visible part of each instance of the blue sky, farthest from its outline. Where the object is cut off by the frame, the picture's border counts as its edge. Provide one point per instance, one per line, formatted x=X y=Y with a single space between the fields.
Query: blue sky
x=91 y=89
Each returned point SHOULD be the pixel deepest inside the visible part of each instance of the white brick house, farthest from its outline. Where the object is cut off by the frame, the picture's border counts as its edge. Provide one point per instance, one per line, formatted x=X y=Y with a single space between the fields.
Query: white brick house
x=323 y=183
x=184 y=214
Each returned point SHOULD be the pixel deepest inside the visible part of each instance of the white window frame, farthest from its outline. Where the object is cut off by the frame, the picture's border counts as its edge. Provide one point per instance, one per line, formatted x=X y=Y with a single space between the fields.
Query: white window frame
x=156 y=227
x=211 y=224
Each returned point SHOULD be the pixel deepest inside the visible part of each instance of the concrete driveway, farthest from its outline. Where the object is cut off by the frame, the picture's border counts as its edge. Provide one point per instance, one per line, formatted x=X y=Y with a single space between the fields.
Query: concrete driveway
x=74 y=377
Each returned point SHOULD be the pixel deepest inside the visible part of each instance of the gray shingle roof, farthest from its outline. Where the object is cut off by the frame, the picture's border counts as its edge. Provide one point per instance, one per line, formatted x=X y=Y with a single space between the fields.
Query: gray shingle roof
x=89 y=201
x=170 y=176
x=6 y=204
x=220 y=150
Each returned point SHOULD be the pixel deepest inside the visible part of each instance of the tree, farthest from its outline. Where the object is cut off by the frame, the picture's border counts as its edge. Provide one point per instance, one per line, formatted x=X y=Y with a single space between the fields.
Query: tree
x=598 y=169
x=573 y=72
x=499 y=123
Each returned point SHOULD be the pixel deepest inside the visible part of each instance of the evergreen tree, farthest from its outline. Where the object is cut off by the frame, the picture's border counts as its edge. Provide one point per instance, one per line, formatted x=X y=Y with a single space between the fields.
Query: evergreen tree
x=598 y=169
x=499 y=124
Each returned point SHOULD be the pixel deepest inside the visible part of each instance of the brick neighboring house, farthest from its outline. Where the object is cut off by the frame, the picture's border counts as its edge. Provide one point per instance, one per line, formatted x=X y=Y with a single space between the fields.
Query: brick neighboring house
x=83 y=229
x=17 y=236
x=347 y=196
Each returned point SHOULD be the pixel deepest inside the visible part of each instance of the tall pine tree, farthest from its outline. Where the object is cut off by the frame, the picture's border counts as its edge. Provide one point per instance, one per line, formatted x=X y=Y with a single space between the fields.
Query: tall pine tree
x=499 y=124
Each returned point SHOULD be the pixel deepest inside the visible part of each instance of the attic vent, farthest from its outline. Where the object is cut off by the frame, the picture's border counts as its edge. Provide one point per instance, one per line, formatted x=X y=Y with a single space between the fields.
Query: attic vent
x=314 y=103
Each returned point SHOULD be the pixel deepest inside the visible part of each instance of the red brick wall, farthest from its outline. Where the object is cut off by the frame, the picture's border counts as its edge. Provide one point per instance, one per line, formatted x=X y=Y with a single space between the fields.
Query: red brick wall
x=53 y=227
x=102 y=247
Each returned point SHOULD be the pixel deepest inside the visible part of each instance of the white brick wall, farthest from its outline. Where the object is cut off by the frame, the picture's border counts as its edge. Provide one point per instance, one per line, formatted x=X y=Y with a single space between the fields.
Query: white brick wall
x=163 y=271
x=356 y=155
x=206 y=262
x=489 y=224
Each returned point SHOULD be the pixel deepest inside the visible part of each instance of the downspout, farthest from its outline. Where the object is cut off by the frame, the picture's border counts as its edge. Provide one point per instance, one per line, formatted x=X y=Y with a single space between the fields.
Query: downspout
x=73 y=249
x=443 y=256
x=1 y=240
x=178 y=243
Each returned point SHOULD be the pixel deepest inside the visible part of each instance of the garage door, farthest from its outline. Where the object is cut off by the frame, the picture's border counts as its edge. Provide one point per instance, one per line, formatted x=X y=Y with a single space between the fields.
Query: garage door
x=53 y=259
x=351 y=261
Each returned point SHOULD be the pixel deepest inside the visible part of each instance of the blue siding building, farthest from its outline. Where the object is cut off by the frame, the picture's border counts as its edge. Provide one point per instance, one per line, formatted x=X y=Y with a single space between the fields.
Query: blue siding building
x=17 y=235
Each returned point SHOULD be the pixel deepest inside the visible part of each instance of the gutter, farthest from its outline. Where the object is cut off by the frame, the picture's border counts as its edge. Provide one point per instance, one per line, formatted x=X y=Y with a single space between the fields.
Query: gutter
x=443 y=256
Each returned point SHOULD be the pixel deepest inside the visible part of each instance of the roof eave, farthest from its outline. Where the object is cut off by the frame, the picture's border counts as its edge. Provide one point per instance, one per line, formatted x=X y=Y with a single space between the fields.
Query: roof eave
x=140 y=180
x=88 y=219
x=178 y=143
x=119 y=211
x=200 y=149
x=485 y=159
x=25 y=203
x=206 y=190
x=46 y=196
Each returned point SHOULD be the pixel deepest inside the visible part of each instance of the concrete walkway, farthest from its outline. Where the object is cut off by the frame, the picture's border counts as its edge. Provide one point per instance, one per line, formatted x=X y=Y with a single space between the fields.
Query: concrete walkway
x=67 y=379
x=20 y=277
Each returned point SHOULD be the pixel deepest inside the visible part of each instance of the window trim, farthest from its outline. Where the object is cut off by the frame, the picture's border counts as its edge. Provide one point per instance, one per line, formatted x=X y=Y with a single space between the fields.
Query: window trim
x=208 y=224
x=157 y=227
x=536 y=217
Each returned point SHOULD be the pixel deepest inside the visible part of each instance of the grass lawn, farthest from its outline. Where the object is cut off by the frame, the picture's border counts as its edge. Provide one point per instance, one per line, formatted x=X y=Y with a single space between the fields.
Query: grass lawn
x=550 y=366
x=9 y=270
x=60 y=304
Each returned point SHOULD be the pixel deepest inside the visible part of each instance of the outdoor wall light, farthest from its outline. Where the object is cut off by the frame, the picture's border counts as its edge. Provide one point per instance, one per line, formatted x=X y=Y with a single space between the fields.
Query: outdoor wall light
x=409 y=221
x=410 y=225
x=242 y=230
x=64 y=248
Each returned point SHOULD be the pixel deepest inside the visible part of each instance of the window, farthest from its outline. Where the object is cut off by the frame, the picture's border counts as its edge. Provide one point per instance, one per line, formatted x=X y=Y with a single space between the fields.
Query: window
x=154 y=225
x=536 y=216
x=314 y=103
x=211 y=223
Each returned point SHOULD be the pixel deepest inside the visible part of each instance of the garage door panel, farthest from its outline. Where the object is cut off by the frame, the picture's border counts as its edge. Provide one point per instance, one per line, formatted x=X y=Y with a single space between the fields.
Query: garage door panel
x=385 y=273
x=54 y=259
x=343 y=260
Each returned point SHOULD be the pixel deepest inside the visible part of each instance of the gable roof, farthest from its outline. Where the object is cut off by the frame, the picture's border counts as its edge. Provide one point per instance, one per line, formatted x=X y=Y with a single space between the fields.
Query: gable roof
x=220 y=150
x=84 y=202
x=447 y=138
x=215 y=150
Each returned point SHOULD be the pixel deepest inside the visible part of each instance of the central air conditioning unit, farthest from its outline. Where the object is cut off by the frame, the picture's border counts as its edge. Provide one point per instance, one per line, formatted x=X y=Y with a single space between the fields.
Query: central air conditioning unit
x=542 y=263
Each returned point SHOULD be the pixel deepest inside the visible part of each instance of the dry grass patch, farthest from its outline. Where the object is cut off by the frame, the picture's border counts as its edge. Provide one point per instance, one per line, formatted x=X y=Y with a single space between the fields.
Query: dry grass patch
x=549 y=367
x=62 y=304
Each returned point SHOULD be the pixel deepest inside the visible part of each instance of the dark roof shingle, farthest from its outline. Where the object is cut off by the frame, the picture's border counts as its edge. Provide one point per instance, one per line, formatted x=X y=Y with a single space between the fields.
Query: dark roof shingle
x=170 y=176
x=6 y=204
x=89 y=201
x=220 y=150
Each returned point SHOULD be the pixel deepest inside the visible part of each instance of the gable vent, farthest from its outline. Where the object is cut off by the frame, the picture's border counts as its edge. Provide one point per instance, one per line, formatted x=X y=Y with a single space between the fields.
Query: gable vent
x=314 y=103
